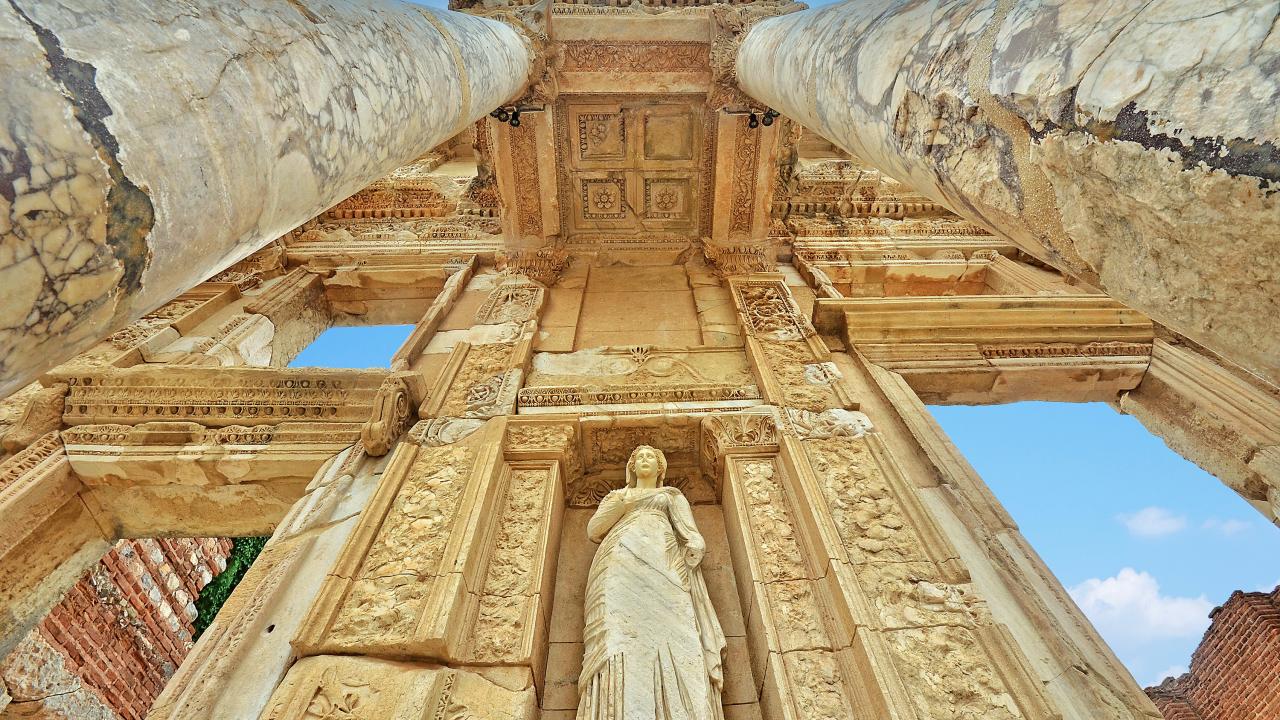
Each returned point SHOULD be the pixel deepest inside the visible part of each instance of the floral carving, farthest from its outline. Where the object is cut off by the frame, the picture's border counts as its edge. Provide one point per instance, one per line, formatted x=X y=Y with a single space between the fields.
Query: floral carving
x=387 y=595
x=338 y=699
x=666 y=199
x=540 y=436
x=771 y=312
x=831 y=423
x=510 y=585
x=864 y=508
x=742 y=209
x=511 y=301
x=524 y=166
x=646 y=56
x=597 y=132
x=603 y=198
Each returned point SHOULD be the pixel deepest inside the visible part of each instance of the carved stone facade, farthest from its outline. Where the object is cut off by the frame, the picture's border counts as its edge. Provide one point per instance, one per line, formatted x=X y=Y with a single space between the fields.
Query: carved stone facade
x=647 y=257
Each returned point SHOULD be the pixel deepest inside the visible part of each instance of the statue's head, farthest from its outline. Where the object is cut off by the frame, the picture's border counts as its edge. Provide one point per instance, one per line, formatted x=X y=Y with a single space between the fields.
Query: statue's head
x=647 y=464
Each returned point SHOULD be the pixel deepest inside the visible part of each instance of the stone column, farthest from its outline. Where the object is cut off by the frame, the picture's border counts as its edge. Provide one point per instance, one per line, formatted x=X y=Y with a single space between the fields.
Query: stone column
x=1130 y=143
x=130 y=171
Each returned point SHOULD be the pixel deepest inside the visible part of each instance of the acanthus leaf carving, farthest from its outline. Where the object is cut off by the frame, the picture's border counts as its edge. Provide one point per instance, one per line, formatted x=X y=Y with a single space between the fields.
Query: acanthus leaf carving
x=541 y=265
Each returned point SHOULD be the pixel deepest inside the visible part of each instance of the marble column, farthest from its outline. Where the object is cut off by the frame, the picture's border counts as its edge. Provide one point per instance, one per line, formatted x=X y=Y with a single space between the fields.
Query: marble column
x=1133 y=144
x=144 y=146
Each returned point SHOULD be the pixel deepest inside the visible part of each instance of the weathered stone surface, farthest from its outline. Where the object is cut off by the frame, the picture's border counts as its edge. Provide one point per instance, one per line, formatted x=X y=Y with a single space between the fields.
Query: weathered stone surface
x=117 y=191
x=1128 y=143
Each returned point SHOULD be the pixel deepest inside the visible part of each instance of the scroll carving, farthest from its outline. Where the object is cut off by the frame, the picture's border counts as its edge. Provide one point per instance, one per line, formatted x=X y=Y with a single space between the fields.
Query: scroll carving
x=746 y=155
x=647 y=56
x=866 y=511
x=527 y=183
x=770 y=311
x=393 y=408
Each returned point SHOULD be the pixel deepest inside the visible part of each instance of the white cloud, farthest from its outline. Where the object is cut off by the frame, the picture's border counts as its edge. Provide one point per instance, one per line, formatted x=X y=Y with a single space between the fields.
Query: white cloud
x=1150 y=522
x=1230 y=526
x=1171 y=671
x=1129 y=608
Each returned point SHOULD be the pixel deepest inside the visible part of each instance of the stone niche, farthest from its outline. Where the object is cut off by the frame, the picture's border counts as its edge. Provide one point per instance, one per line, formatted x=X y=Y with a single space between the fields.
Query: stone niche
x=605 y=443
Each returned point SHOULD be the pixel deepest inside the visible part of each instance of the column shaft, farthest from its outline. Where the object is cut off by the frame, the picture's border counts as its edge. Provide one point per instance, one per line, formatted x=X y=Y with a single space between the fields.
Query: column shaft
x=145 y=147
x=1129 y=143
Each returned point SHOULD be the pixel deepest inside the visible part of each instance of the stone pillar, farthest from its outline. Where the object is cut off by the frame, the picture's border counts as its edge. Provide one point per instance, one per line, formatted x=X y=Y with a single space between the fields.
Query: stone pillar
x=130 y=171
x=1125 y=143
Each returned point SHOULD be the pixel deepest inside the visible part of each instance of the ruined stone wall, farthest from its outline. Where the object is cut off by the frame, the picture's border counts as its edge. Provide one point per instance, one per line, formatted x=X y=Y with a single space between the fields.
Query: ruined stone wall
x=1234 y=674
x=108 y=648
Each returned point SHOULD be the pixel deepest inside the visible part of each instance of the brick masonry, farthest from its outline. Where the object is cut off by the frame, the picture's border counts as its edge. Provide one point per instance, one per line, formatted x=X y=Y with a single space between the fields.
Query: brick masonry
x=106 y=650
x=1235 y=673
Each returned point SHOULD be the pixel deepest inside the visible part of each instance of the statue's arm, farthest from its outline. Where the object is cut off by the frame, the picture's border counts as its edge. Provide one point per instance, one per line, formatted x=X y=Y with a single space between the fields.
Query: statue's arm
x=606 y=516
x=686 y=529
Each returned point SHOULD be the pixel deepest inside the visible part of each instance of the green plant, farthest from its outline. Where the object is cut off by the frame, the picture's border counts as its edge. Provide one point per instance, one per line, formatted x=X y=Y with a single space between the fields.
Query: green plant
x=243 y=552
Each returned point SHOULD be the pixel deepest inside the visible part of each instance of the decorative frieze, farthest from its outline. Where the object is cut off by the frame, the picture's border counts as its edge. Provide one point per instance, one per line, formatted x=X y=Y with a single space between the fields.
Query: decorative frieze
x=217 y=397
x=570 y=396
x=638 y=56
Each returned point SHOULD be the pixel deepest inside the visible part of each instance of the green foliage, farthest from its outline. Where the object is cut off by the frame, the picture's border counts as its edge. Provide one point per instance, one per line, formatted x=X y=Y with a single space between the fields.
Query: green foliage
x=243 y=552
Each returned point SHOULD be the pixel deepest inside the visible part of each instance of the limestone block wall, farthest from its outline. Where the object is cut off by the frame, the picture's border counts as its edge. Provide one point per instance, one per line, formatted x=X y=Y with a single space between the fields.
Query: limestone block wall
x=1234 y=674
x=110 y=646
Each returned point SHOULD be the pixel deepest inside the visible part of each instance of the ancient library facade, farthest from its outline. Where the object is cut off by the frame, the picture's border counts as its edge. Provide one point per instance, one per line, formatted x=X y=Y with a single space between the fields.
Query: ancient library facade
x=682 y=278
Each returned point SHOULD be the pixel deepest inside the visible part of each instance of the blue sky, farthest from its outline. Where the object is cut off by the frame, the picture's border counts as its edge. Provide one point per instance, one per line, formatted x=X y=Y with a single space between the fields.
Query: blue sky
x=354 y=347
x=1146 y=542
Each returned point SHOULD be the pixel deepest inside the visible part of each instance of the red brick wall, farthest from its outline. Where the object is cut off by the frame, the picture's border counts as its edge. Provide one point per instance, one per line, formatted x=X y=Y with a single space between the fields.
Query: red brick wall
x=126 y=626
x=1235 y=673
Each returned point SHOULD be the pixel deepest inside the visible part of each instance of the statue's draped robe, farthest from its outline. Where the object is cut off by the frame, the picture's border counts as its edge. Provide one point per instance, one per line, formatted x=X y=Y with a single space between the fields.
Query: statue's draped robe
x=652 y=643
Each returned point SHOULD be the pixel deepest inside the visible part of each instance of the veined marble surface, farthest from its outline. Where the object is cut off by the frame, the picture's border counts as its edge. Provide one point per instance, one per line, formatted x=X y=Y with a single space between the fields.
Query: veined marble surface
x=1133 y=144
x=144 y=146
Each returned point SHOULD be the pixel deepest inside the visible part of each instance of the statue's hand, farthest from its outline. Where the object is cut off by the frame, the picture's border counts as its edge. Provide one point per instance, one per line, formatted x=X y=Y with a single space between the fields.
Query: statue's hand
x=694 y=549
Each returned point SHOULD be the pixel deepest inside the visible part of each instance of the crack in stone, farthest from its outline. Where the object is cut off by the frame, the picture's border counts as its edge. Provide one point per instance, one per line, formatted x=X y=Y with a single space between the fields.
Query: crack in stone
x=130 y=213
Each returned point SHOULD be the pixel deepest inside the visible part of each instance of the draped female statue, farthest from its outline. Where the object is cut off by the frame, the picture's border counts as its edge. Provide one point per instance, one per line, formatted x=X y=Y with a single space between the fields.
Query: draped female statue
x=652 y=643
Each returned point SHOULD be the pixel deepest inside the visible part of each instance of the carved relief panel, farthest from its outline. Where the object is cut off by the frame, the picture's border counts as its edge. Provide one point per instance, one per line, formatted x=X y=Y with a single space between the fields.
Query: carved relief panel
x=631 y=168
